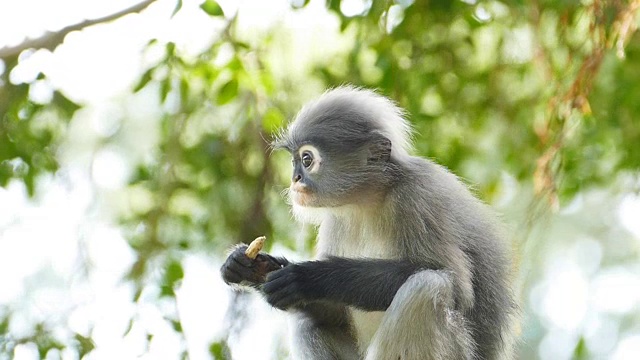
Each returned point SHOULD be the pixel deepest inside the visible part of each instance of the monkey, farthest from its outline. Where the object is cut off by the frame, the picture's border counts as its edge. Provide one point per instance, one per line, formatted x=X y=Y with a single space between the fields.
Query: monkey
x=409 y=263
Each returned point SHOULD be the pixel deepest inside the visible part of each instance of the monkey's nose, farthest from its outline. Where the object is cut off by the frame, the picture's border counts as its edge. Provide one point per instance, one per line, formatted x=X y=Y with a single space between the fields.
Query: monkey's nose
x=297 y=177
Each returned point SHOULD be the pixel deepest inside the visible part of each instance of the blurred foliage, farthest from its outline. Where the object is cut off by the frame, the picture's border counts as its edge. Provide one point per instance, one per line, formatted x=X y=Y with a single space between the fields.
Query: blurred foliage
x=29 y=132
x=546 y=91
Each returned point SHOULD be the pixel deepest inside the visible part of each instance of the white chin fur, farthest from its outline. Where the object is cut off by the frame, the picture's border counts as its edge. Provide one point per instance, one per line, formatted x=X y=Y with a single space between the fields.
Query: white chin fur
x=298 y=198
x=307 y=215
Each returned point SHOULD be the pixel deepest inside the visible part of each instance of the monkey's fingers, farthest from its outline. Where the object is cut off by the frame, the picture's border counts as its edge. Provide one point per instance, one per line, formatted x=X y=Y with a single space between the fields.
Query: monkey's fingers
x=277 y=280
x=283 y=298
x=255 y=247
x=231 y=276
x=281 y=289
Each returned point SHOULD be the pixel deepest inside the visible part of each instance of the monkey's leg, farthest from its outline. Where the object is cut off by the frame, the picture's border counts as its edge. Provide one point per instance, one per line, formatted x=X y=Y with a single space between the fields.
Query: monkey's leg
x=323 y=331
x=421 y=323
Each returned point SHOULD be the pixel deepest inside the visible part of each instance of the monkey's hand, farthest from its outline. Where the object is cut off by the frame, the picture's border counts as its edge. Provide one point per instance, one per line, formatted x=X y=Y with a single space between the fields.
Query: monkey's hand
x=290 y=286
x=240 y=269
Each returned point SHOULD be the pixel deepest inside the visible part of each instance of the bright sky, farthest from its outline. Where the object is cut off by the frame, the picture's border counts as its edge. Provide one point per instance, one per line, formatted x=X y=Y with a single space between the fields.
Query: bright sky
x=45 y=244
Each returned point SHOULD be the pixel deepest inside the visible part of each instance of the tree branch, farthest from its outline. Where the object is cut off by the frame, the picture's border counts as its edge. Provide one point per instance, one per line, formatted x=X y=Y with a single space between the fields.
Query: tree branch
x=51 y=40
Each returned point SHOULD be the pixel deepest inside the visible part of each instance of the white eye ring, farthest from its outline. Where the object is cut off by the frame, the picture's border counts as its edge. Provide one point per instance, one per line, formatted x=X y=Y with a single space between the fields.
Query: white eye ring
x=310 y=157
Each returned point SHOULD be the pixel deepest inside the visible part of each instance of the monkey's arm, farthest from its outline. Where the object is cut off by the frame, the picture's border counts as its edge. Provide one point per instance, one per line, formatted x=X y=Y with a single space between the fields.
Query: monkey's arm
x=240 y=269
x=368 y=284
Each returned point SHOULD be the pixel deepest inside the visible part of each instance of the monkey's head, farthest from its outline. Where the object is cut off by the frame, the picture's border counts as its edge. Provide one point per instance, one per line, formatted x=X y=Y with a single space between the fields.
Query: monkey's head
x=344 y=148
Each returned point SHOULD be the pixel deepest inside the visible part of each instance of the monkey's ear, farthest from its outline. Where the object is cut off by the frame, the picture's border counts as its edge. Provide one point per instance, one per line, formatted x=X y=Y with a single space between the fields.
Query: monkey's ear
x=379 y=149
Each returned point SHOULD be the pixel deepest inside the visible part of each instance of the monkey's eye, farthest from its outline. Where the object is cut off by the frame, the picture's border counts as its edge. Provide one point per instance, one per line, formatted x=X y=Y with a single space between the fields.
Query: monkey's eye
x=307 y=159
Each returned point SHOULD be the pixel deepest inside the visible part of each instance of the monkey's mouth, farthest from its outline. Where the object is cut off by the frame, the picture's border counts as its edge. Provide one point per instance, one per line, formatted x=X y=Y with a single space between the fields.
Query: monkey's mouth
x=300 y=194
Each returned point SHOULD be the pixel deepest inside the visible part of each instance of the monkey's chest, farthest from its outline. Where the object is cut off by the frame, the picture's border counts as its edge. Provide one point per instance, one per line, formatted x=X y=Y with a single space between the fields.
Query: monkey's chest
x=354 y=242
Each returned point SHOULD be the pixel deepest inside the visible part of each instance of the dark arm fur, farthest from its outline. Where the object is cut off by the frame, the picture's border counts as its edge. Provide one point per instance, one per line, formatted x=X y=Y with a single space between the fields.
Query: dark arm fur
x=368 y=284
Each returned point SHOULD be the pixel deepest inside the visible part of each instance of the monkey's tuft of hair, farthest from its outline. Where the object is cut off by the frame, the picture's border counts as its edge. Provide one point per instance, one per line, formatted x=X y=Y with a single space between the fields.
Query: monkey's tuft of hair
x=356 y=105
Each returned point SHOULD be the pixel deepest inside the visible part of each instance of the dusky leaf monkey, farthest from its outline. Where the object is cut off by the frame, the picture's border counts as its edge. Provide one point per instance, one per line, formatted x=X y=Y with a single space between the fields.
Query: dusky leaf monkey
x=410 y=265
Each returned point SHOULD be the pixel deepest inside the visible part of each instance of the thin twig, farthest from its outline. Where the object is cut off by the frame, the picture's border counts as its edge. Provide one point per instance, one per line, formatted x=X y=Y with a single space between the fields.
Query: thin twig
x=51 y=40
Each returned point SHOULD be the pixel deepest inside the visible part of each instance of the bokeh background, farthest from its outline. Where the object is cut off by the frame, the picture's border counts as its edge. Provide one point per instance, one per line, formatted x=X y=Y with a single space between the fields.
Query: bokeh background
x=134 y=152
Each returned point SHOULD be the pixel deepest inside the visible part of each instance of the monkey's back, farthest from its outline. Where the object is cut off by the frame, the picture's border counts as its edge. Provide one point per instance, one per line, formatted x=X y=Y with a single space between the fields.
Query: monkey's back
x=458 y=233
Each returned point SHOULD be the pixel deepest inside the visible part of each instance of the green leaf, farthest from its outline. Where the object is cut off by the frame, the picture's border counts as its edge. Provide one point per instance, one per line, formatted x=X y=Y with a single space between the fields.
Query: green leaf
x=177 y=8
x=177 y=326
x=171 y=49
x=4 y=325
x=167 y=291
x=174 y=273
x=267 y=81
x=5 y=173
x=580 y=352
x=144 y=80
x=165 y=87
x=184 y=91
x=85 y=344
x=30 y=182
x=212 y=8
x=242 y=44
x=219 y=350
x=235 y=64
x=334 y=5
x=227 y=92
x=142 y=173
x=129 y=327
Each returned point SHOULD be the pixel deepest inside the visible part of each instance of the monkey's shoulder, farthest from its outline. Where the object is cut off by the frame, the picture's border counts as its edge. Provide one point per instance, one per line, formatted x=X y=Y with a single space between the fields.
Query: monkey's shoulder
x=429 y=188
x=420 y=173
x=431 y=203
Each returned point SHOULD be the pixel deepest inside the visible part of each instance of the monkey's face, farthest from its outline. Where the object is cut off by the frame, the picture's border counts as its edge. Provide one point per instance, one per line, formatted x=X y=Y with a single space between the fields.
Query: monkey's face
x=336 y=161
x=330 y=179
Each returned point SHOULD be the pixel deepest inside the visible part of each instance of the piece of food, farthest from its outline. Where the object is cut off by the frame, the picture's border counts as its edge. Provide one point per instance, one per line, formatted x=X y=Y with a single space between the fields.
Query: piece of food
x=255 y=247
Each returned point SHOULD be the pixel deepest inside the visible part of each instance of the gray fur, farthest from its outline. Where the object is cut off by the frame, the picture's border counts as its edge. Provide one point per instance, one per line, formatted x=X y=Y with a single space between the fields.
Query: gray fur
x=461 y=305
x=419 y=318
